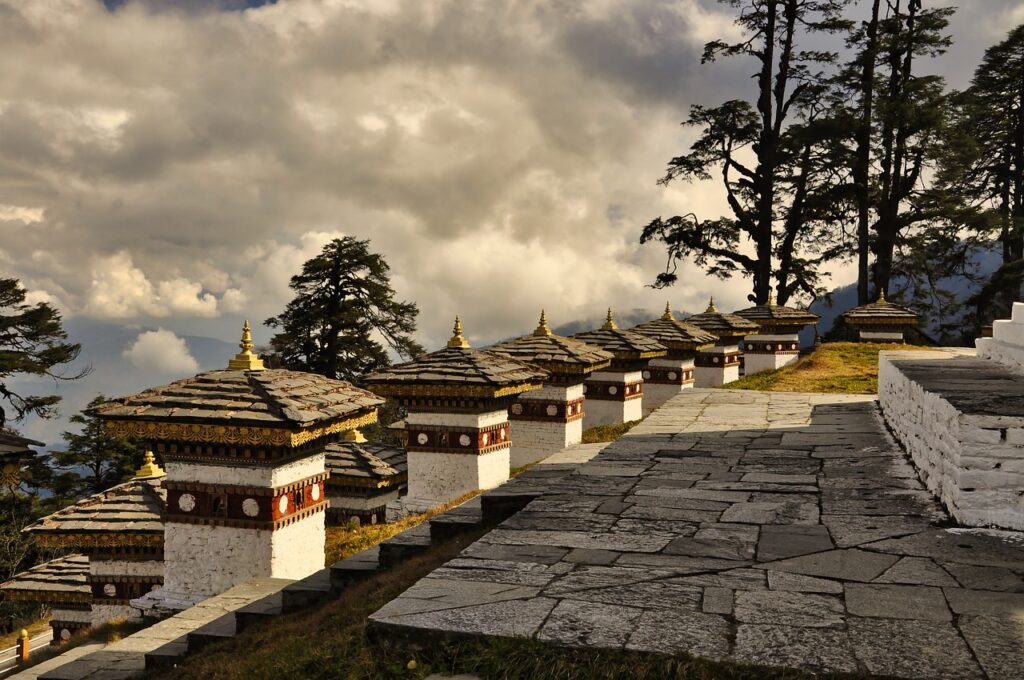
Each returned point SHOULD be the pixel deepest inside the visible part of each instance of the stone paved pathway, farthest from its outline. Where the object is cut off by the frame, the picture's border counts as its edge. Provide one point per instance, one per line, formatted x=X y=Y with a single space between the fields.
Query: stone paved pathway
x=769 y=528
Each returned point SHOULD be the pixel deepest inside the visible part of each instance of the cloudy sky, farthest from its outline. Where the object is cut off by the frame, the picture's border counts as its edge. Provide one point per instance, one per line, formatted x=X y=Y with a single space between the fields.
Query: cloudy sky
x=167 y=166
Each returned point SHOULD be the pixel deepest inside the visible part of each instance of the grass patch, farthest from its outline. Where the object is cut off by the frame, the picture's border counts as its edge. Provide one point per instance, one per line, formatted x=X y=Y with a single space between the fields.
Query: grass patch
x=607 y=433
x=346 y=540
x=34 y=629
x=331 y=642
x=834 y=367
x=108 y=633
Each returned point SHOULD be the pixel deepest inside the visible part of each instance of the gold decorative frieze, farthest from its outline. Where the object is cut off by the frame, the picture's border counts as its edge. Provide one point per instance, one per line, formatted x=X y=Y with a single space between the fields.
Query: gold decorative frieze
x=101 y=542
x=405 y=390
x=232 y=434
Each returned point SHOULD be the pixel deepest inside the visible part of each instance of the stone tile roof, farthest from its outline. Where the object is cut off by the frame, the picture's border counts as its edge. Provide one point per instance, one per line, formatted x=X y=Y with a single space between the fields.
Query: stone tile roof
x=773 y=316
x=267 y=398
x=624 y=345
x=459 y=370
x=555 y=353
x=675 y=334
x=14 y=446
x=881 y=313
x=722 y=324
x=133 y=507
x=364 y=461
x=62 y=579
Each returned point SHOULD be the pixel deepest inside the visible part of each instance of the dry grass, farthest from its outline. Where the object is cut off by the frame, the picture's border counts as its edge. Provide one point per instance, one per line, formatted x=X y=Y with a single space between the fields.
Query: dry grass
x=607 y=433
x=34 y=629
x=835 y=367
x=347 y=540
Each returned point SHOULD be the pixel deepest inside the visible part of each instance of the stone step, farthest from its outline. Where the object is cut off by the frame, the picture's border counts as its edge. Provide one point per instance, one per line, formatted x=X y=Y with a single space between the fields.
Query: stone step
x=305 y=592
x=219 y=629
x=259 y=611
x=405 y=545
x=354 y=569
x=456 y=521
x=501 y=503
x=167 y=656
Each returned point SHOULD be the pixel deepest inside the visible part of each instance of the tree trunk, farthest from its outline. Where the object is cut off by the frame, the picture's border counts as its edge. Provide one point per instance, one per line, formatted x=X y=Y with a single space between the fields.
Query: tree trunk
x=862 y=166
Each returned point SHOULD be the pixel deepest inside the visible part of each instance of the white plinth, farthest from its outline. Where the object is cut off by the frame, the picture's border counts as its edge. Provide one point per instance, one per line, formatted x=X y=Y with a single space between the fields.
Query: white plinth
x=599 y=412
x=541 y=424
x=769 y=352
x=1006 y=346
x=437 y=478
x=613 y=398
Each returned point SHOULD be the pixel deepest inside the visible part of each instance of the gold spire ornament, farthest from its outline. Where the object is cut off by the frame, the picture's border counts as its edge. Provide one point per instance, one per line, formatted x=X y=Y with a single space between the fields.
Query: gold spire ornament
x=667 y=316
x=711 y=306
x=881 y=296
x=609 y=322
x=246 y=360
x=542 y=329
x=458 y=341
x=149 y=469
x=771 y=300
x=353 y=435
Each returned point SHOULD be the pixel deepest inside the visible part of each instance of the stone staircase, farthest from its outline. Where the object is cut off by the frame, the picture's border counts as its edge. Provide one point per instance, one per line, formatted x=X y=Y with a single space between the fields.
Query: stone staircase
x=219 y=618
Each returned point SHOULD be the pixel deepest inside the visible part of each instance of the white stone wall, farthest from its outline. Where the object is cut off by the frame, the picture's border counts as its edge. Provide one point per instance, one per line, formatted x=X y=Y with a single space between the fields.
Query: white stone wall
x=555 y=393
x=534 y=440
x=104 y=613
x=600 y=412
x=436 y=478
x=759 y=363
x=974 y=464
x=99 y=567
x=251 y=475
x=711 y=376
x=71 y=615
x=617 y=376
x=297 y=550
x=478 y=420
x=655 y=395
x=1006 y=345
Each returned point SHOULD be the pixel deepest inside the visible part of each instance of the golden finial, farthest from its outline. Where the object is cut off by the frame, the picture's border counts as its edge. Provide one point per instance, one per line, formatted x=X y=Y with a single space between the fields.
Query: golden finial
x=881 y=296
x=667 y=316
x=542 y=329
x=353 y=435
x=457 y=339
x=711 y=306
x=246 y=360
x=609 y=322
x=149 y=468
x=771 y=300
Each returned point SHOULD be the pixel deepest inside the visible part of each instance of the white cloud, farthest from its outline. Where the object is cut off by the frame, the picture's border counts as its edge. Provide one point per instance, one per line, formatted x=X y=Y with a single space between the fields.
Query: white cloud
x=161 y=351
x=120 y=290
x=23 y=214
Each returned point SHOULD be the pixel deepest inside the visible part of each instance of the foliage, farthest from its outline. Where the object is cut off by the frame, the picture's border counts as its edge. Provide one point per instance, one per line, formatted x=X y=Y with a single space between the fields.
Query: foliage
x=343 y=302
x=32 y=343
x=607 y=433
x=104 y=458
x=834 y=367
x=783 y=202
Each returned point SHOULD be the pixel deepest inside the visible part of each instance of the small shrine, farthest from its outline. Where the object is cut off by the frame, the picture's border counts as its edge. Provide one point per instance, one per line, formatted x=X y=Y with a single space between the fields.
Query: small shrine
x=615 y=395
x=720 y=364
x=63 y=586
x=881 y=321
x=550 y=419
x=777 y=343
x=364 y=479
x=457 y=427
x=15 y=451
x=121 y=533
x=668 y=376
x=245 y=490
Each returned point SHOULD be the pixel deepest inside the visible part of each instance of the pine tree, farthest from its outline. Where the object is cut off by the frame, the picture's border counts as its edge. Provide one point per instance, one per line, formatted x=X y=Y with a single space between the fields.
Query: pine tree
x=96 y=459
x=343 y=303
x=32 y=343
x=779 y=203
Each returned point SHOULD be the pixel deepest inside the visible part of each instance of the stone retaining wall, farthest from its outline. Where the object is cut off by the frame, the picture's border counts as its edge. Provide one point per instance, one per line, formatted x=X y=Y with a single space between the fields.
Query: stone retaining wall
x=973 y=463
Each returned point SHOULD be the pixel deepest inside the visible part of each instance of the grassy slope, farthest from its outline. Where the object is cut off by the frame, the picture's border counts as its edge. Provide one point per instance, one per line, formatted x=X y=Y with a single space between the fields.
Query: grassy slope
x=607 y=433
x=837 y=367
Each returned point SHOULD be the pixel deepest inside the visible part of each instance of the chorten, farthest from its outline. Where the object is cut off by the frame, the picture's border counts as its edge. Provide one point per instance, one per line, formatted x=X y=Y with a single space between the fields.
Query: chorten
x=615 y=395
x=244 y=452
x=880 y=321
x=777 y=343
x=457 y=428
x=720 y=364
x=550 y=419
x=15 y=451
x=668 y=376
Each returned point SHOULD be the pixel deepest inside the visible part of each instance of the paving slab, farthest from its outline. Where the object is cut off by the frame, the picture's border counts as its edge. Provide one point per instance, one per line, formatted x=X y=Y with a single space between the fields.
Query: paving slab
x=787 y=530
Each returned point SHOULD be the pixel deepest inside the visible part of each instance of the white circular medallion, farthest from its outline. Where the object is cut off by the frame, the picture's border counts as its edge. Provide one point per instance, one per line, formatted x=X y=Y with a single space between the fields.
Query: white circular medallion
x=584 y=389
x=464 y=439
x=613 y=390
x=486 y=438
x=110 y=590
x=647 y=375
x=314 y=492
x=65 y=634
x=187 y=502
x=422 y=438
x=552 y=410
x=517 y=409
x=503 y=433
x=715 y=360
x=671 y=375
x=282 y=505
x=250 y=507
